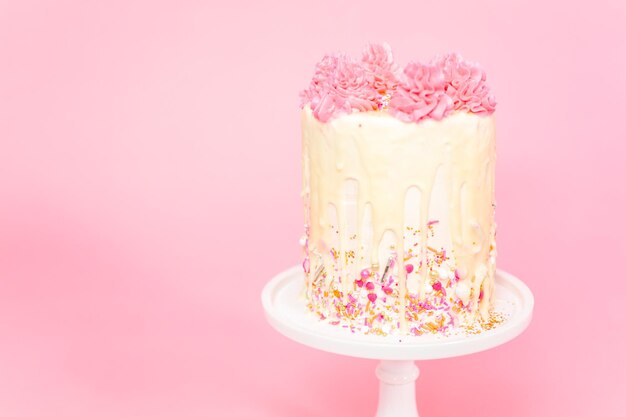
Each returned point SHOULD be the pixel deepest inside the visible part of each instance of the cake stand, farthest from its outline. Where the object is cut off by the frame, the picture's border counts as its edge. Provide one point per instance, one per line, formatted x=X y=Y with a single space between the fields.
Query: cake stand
x=285 y=309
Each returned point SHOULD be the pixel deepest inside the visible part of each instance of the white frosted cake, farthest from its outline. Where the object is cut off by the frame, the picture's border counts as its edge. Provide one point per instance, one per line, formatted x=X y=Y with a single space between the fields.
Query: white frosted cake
x=398 y=189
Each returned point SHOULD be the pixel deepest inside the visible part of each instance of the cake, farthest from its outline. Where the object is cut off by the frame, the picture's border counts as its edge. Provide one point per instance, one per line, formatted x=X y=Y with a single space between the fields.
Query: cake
x=398 y=192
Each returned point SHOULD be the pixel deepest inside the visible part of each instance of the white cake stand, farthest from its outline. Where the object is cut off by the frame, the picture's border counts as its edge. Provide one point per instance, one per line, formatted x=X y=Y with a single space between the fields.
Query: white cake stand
x=285 y=308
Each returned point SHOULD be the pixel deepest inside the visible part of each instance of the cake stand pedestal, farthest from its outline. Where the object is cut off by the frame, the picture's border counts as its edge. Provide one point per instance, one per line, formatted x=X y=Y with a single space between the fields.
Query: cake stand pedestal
x=285 y=308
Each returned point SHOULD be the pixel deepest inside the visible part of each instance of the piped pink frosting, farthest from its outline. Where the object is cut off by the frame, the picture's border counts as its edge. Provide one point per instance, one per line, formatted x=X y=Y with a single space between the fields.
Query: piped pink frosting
x=421 y=94
x=342 y=85
x=381 y=68
x=465 y=84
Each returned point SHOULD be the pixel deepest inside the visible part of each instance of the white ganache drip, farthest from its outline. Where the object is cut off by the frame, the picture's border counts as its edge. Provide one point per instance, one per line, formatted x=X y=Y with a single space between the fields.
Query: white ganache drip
x=377 y=188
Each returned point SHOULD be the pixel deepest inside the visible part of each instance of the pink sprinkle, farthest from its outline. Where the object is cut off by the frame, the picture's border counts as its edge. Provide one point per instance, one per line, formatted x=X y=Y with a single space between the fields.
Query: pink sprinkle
x=437 y=286
x=369 y=286
x=480 y=296
x=359 y=283
x=430 y=223
x=372 y=297
x=365 y=274
x=408 y=268
x=387 y=290
x=456 y=275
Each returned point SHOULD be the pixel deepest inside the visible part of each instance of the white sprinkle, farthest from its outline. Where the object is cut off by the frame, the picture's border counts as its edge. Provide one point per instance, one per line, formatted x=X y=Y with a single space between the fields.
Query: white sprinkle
x=443 y=273
x=463 y=291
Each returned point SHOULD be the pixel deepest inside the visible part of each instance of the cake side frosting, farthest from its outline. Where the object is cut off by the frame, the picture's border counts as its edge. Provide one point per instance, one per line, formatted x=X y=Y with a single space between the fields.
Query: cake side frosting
x=398 y=189
x=400 y=220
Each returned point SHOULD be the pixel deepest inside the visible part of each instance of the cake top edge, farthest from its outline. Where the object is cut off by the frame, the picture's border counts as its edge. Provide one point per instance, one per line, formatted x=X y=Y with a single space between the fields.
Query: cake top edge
x=383 y=117
x=445 y=85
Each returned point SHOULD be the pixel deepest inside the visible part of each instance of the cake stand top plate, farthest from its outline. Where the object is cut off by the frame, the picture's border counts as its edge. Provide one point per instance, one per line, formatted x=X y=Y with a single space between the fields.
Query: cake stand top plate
x=285 y=307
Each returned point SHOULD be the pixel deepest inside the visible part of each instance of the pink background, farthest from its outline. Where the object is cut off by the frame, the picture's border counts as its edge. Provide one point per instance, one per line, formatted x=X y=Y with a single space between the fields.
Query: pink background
x=149 y=188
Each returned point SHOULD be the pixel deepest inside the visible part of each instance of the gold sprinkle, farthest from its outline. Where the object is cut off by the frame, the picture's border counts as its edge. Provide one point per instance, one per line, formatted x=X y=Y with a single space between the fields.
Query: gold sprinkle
x=318 y=273
x=382 y=279
x=377 y=331
x=435 y=251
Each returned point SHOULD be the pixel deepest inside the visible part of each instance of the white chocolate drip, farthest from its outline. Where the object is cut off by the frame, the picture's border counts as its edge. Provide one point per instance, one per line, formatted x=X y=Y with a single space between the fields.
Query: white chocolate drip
x=379 y=174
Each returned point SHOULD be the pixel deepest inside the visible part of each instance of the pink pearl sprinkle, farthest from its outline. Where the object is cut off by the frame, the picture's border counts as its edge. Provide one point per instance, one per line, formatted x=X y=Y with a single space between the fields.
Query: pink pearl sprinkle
x=408 y=268
x=365 y=274
x=372 y=297
x=437 y=286
x=359 y=283
x=369 y=286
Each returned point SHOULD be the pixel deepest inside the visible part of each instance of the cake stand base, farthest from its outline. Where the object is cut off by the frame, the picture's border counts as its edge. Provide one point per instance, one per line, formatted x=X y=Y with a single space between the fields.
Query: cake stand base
x=396 y=396
x=285 y=308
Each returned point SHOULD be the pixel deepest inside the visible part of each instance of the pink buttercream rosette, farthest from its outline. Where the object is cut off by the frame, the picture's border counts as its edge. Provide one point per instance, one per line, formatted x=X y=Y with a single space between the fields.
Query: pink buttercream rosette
x=466 y=85
x=421 y=94
x=381 y=68
x=342 y=85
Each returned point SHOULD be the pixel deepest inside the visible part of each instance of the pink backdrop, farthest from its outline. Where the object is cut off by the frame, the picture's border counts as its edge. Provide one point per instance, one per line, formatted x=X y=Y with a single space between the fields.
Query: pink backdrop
x=149 y=188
